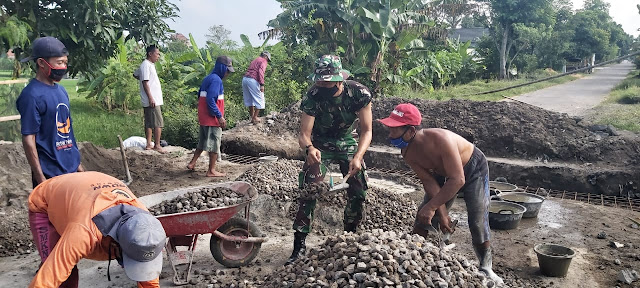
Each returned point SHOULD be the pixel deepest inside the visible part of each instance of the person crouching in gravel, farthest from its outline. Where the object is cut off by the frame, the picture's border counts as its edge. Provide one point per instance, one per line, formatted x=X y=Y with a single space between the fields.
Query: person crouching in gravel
x=446 y=164
x=329 y=110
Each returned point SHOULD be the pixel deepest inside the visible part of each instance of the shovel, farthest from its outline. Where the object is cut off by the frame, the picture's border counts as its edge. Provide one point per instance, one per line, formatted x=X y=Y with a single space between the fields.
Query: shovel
x=342 y=186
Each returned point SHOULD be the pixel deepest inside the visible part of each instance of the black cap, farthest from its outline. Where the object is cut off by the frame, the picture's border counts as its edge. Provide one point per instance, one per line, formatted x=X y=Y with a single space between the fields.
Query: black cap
x=46 y=47
x=226 y=60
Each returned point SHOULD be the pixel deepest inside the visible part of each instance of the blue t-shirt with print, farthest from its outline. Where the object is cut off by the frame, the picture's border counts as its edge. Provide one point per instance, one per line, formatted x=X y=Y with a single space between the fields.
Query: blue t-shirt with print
x=44 y=111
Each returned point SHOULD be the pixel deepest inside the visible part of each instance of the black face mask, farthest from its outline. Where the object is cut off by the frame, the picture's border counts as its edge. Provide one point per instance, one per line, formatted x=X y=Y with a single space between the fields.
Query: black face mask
x=327 y=92
x=56 y=74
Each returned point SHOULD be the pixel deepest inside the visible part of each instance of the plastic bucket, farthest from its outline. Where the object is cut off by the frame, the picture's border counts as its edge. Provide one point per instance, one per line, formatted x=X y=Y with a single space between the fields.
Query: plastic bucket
x=530 y=201
x=554 y=260
x=505 y=215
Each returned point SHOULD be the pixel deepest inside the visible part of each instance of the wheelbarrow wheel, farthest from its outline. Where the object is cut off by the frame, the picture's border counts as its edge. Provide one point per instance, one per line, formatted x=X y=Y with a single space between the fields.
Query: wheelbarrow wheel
x=235 y=254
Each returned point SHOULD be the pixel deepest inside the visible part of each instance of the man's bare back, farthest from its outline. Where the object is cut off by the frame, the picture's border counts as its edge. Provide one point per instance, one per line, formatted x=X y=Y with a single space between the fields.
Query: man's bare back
x=427 y=150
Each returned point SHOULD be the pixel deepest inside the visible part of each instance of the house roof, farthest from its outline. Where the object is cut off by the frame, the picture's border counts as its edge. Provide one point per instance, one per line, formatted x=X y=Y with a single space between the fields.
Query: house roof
x=468 y=34
x=179 y=36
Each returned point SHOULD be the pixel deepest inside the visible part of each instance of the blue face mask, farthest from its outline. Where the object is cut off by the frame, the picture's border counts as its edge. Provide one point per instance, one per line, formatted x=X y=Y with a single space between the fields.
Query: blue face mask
x=399 y=142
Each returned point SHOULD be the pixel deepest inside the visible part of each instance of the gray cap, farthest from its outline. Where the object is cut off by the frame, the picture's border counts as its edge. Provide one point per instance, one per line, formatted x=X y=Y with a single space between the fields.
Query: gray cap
x=140 y=236
x=46 y=47
x=267 y=54
x=226 y=60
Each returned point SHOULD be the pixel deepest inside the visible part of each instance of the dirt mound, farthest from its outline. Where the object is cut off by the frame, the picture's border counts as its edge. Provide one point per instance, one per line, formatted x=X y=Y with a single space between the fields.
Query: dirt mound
x=15 y=174
x=277 y=135
x=15 y=236
x=500 y=129
x=515 y=130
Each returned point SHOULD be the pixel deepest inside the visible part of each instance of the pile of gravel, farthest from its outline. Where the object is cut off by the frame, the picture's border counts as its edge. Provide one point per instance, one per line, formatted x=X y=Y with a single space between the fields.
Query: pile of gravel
x=278 y=179
x=388 y=211
x=378 y=259
x=206 y=198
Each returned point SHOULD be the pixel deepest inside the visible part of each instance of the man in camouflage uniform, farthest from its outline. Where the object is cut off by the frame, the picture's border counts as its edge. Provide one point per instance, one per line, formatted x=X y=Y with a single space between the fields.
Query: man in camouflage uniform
x=329 y=110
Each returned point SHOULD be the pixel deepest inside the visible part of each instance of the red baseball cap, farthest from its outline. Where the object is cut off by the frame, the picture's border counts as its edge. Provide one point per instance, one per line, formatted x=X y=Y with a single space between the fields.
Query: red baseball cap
x=403 y=114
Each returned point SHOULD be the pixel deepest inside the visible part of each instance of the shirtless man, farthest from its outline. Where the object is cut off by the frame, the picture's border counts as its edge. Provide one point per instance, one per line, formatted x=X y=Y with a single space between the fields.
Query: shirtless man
x=446 y=164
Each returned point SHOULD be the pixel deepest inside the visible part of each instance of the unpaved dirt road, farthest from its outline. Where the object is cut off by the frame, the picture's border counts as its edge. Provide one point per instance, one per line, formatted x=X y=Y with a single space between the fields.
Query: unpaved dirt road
x=577 y=97
x=563 y=222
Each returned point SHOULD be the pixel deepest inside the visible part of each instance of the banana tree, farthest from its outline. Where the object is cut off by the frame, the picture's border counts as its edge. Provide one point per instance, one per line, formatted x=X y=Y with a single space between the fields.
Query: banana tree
x=114 y=86
x=395 y=30
x=200 y=61
x=363 y=31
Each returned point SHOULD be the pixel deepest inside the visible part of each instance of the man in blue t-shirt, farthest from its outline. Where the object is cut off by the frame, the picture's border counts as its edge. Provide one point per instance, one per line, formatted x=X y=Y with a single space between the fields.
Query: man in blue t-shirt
x=47 y=132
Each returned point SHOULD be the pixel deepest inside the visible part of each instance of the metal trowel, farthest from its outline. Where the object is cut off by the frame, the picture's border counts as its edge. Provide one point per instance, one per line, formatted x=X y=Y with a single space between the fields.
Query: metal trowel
x=444 y=241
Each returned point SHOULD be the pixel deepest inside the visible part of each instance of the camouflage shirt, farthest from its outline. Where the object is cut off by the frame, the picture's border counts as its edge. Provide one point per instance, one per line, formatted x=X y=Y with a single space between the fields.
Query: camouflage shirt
x=334 y=116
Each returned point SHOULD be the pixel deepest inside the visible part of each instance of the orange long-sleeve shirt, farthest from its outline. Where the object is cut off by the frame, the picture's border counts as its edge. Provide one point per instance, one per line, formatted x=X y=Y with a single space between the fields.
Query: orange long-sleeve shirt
x=71 y=201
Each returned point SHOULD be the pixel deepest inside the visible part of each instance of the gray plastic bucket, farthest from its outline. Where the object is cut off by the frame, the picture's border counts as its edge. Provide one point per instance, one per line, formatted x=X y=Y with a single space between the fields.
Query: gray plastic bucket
x=554 y=260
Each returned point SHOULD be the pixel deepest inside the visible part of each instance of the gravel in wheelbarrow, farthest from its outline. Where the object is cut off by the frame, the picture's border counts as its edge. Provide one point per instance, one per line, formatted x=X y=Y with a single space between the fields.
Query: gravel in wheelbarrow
x=204 y=199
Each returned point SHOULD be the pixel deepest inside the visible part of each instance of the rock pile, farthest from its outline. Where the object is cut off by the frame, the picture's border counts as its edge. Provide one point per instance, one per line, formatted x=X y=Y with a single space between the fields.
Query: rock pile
x=278 y=178
x=383 y=209
x=378 y=259
x=206 y=198
x=388 y=211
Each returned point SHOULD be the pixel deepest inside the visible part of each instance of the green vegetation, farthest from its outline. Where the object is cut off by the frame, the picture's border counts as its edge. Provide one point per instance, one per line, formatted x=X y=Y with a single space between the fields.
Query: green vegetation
x=395 y=47
x=5 y=74
x=622 y=107
x=92 y=123
x=89 y=29
x=466 y=91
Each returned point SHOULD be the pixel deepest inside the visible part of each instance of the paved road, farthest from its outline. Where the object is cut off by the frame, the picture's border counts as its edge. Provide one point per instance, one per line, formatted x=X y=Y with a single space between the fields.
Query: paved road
x=576 y=97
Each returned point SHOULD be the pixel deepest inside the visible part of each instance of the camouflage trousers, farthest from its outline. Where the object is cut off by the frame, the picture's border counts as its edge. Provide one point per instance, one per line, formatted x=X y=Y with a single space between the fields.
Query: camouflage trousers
x=356 y=192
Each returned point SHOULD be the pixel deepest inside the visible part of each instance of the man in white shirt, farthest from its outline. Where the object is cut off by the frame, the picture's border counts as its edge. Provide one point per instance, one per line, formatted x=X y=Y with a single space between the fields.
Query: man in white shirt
x=151 y=97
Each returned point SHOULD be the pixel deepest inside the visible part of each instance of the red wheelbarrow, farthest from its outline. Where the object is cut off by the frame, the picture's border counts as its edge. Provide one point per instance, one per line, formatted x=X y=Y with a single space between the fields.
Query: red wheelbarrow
x=235 y=241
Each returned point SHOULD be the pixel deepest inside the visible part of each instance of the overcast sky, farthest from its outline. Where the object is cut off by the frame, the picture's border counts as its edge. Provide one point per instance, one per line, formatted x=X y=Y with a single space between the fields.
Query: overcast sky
x=250 y=17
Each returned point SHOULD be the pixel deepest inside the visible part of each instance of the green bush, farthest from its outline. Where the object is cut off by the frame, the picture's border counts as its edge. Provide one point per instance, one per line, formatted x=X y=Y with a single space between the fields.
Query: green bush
x=630 y=95
x=6 y=63
x=637 y=62
x=181 y=127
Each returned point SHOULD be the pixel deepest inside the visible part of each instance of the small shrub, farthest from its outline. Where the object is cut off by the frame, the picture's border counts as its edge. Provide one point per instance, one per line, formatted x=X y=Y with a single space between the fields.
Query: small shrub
x=629 y=96
x=181 y=127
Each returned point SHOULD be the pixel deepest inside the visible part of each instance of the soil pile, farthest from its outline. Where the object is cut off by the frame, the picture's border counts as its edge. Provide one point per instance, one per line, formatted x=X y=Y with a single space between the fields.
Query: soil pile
x=206 y=198
x=15 y=236
x=510 y=129
x=500 y=129
x=275 y=136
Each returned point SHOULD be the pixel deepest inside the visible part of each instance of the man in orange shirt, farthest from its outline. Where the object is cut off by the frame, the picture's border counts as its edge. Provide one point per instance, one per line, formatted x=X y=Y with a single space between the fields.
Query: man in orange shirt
x=94 y=216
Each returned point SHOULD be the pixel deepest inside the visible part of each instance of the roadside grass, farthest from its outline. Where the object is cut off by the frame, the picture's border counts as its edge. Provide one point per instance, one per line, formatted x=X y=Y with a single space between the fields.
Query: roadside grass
x=5 y=74
x=465 y=91
x=98 y=126
x=621 y=108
